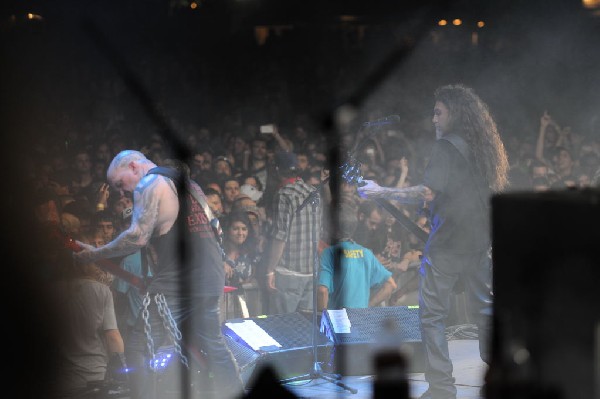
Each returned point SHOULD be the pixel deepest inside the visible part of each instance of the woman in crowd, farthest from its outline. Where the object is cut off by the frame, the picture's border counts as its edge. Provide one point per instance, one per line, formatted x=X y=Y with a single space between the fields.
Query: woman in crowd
x=242 y=259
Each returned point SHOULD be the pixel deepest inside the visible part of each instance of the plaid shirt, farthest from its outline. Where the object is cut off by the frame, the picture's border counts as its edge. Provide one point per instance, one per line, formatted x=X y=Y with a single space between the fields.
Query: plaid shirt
x=295 y=229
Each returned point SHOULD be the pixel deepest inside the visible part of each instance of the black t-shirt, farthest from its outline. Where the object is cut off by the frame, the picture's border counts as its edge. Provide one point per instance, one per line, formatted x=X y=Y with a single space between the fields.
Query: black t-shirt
x=459 y=212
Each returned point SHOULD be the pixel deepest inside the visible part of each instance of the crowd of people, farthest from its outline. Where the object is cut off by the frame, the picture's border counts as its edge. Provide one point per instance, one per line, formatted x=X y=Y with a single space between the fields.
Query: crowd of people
x=257 y=185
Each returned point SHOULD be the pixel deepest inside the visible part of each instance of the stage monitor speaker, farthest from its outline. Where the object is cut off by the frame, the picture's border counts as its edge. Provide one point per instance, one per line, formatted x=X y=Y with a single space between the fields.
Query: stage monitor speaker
x=293 y=358
x=546 y=298
x=372 y=331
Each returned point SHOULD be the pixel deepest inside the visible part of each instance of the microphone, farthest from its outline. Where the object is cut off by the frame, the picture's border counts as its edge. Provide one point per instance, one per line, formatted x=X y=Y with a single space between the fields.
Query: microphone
x=388 y=120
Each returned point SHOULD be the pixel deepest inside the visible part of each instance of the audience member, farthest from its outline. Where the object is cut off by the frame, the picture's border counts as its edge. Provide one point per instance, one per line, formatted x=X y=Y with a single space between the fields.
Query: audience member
x=548 y=139
x=540 y=184
x=304 y=160
x=242 y=256
x=238 y=150
x=91 y=344
x=83 y=183
x=290 y=255
x=563 y=166
x=222 y=168
x=406 y=272
x=370 y=218
x=214 y=201
x=257 y=163
x=214 y=185
x=231 y=190
x=71 y=225
x=349 y=271
x=201 y=168
x=397 y=172
x=81 y=209
x=103 y=223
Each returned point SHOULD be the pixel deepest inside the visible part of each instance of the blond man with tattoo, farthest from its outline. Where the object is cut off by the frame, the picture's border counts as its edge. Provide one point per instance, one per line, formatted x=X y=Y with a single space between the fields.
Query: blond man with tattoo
x=182 y=300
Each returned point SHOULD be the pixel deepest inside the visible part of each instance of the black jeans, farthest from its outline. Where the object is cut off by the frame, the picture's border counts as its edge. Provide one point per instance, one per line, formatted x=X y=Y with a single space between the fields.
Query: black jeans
x=439 y=274
x=199 y=322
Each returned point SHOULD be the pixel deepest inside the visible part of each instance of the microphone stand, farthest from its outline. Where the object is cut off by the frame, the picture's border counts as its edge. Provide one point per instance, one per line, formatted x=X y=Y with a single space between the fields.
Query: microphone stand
x=317 y=371
x=314 y=199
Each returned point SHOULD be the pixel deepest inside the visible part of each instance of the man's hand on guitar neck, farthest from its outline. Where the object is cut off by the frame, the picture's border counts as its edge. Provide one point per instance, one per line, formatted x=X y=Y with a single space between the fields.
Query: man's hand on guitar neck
x=369 y=189
x=407 y=195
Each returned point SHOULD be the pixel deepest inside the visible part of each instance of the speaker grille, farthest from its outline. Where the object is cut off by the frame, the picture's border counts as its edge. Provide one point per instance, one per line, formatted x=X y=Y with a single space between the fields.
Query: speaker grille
x=370 y=324
x=293 y=332
x=372 y=331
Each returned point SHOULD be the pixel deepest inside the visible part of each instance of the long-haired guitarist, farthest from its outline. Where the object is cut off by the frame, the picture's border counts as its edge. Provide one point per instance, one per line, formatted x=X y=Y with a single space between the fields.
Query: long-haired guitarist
x=468 y=162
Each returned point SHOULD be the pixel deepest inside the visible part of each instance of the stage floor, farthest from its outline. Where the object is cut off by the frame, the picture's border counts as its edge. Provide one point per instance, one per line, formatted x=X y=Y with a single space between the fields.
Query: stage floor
x=469 y=371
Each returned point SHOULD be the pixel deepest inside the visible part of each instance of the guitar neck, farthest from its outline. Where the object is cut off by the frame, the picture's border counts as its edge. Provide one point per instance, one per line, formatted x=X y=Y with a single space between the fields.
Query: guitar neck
x=405 y=221
x=109 y=266
x=351 y=174
x=118 y=271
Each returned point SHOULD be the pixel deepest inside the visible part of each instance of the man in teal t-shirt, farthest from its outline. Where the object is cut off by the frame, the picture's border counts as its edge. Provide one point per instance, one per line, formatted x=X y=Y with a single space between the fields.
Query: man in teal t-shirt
x=349 y=285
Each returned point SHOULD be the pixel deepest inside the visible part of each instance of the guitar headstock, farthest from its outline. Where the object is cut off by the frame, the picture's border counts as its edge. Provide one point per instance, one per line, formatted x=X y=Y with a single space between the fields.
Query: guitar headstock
x=72 y=244
x=68 y=241
x=351 y=171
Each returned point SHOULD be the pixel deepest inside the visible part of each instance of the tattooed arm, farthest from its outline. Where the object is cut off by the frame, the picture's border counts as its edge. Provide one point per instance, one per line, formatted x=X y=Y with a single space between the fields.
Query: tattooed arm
x=405 y=195
x=146 y=219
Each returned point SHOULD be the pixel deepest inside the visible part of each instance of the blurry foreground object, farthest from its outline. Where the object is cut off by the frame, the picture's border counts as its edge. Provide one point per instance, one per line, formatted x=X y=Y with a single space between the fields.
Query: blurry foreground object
x=546 y=300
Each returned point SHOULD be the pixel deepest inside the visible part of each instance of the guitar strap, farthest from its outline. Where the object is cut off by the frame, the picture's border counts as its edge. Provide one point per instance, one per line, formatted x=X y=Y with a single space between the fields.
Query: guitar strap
x=463 y=148
x=177 y=177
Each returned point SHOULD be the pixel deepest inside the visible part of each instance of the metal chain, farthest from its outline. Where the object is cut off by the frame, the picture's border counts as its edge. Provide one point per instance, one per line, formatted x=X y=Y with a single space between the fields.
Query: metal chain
x=171 y=326
x=147 y=328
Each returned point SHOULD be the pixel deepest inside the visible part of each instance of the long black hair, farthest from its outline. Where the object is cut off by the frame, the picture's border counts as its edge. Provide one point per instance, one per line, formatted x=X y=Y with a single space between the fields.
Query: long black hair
x=471 y=118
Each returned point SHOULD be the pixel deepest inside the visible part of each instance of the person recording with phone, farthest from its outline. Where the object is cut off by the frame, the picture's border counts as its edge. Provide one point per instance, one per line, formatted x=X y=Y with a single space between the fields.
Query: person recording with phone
x=281 y=143
x=468 y=162
x=267 y=138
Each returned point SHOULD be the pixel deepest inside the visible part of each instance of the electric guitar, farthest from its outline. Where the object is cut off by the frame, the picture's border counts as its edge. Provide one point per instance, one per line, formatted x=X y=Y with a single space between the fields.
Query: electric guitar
x=351 y=174
x=112 y=267
x=104 y=264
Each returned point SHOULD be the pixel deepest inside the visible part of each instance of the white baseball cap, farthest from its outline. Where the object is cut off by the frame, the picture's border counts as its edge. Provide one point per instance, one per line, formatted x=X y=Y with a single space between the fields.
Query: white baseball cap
x=252 y=192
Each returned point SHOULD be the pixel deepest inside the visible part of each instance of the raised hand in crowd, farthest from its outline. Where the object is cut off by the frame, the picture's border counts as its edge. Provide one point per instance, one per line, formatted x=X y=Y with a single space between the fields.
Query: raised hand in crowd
x=102 y=197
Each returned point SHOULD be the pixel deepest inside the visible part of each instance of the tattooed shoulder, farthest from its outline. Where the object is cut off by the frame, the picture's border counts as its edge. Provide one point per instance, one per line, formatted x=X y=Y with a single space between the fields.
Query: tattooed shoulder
x=147 y=197
x=147 y=200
